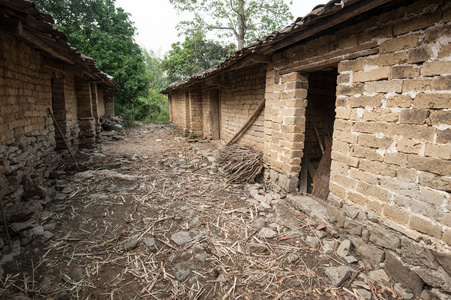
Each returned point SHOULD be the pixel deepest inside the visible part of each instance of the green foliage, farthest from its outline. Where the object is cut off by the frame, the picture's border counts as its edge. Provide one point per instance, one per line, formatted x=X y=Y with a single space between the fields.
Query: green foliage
x=100 y=30
x=194 y=55
x=246 y=20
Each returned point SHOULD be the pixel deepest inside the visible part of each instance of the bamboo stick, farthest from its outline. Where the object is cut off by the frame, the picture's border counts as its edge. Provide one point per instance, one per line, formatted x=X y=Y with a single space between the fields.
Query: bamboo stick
x=249 y=121
x=64 y=139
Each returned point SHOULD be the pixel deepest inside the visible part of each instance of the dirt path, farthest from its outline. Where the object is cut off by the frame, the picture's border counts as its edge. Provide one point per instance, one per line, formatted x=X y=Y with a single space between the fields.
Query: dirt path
x=150 y=218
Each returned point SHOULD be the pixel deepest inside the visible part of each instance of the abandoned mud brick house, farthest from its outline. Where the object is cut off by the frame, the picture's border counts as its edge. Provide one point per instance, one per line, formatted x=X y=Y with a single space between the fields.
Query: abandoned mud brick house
x=373 y=77
x=39 y=73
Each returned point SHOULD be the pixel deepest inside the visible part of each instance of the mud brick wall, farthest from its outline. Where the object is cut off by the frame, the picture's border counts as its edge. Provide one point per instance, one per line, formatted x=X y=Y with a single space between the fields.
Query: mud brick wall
x=196 y=112
x=286 y=102
x=100 y=101
x=179 y=110
x=206 y=113
x=27 y=135
x=238 y=102
x=391 y=159
x=65 y=110
x=108 y=100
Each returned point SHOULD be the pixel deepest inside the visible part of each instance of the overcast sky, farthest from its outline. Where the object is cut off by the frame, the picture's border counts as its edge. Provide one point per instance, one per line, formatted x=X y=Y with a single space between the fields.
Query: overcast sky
x=156 y=22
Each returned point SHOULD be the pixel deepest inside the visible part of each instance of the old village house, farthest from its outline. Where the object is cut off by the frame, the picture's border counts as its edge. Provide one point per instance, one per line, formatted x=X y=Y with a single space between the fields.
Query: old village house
x=41 y=75
x=358 y=90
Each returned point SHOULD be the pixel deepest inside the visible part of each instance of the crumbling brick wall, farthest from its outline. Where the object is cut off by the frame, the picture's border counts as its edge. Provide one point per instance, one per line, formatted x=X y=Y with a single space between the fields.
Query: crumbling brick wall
x=238 y=102
x=391 y=159
x=27 y=135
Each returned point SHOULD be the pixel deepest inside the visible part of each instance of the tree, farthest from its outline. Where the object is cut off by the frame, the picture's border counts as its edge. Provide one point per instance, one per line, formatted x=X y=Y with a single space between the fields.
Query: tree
x=246 y=20
x=100 y=30
x=157 y=75
x=194 y=55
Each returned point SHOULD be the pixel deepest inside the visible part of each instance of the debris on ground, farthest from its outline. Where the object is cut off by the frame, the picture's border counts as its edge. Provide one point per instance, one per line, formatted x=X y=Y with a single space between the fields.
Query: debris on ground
x=165 y=224
x=243 y=164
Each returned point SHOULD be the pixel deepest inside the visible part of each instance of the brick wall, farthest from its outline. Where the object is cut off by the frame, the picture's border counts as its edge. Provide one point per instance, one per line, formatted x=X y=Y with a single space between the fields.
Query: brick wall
x=101 y=101
x=392 y=154
x=391 y=159
x=286 y=102
x=178 y=110
x=64 y=105
x=27 y=136
x=238 y=102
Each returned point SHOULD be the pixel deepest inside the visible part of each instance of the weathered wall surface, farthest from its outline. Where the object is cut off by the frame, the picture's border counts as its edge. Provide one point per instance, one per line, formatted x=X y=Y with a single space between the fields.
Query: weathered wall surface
x=101 y=101
x=391 y=159
x=238 y=102
x=27 y=136
x=64 y=106
x=179 y=112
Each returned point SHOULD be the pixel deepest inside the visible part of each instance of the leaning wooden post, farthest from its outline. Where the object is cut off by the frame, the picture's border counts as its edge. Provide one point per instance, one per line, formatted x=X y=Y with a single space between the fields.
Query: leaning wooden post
x=64 y=139
x=251 y=118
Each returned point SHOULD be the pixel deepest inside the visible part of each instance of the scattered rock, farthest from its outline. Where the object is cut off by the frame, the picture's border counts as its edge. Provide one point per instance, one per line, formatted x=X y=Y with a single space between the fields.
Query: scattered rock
x=222 y=278
x=253 y=201
x=378 y=276
x=201 y=256
x=181 y=271
x=338 y=275
x=184 y=237
x=351 y=259
x=329 y=246
x=402 y=273
x=286 y=217
x=435 y=278
x=38 y=230
x=19 y=227
x=22 y=212
x=312 y=241
x=344 y=248
x=261 y=198
x=149 y=242
x=320 y=233
x=370 y=253
x=444 y=260
x=47 y=235
x=257 y=248
x=292 y=258
x=35 y=191
x=130 y=244
x=259 y=223
x=364 y=293
x=267 y=233
x=403 y=292
x=265 y=207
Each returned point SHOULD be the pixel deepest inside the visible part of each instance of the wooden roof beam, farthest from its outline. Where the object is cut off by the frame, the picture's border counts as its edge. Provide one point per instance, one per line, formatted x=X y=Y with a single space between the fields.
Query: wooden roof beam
x=43 y=46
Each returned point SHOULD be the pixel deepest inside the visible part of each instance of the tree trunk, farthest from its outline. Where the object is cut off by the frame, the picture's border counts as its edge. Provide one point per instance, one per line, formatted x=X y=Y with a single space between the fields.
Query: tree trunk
x=241 y=25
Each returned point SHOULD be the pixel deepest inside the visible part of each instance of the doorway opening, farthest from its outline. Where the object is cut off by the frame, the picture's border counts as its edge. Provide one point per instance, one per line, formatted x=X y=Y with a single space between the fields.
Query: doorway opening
x=215 y=114
x=320 y=117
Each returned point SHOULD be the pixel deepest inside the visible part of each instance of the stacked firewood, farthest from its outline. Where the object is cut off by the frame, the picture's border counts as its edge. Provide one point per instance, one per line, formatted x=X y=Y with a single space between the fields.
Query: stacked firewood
x=243 y=164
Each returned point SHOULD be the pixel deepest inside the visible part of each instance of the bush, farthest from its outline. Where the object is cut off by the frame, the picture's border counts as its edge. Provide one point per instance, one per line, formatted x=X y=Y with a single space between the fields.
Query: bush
x=153 y=108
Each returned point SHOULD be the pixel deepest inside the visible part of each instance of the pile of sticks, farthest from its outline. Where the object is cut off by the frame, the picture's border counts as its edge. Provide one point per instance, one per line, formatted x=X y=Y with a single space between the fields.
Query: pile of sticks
x=243 y=164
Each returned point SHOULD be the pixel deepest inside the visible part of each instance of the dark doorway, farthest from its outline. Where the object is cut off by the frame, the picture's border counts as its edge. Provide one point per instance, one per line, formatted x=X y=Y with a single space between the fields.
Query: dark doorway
x=320 y=117
x=215 y=115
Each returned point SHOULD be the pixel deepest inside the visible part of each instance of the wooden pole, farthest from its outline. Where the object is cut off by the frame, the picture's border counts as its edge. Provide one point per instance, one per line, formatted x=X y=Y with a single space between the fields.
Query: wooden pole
x=64 y=139
x=251 y=118
x=318 y=138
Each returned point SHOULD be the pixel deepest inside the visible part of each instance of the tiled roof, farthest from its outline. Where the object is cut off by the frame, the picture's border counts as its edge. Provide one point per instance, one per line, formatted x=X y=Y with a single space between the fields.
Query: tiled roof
x=24 y=21
x=301 y=28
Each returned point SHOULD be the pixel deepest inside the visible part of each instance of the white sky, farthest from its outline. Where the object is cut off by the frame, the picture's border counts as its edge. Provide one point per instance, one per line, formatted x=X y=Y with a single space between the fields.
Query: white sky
x=156 y=23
